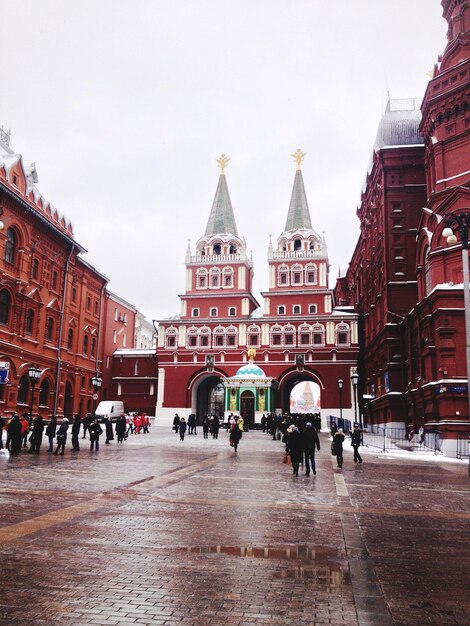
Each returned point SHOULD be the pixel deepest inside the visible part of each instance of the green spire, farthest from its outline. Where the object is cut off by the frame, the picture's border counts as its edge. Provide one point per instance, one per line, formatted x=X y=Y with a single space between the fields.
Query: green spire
x=221 y=219
x=299 y=214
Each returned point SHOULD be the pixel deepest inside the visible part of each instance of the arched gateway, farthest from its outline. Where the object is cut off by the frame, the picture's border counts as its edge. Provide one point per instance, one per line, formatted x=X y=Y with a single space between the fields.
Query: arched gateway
x=298 y=334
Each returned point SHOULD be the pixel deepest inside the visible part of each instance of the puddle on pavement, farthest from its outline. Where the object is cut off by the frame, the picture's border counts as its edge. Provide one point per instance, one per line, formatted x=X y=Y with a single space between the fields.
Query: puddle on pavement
x=317 y=564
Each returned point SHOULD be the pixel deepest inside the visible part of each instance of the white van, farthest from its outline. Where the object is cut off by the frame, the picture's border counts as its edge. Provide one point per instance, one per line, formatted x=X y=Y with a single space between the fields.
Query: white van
x=109 y=408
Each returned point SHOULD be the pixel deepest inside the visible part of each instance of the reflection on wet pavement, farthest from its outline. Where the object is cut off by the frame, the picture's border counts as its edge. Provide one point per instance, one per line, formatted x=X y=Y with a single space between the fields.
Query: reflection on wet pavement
x=162 y=533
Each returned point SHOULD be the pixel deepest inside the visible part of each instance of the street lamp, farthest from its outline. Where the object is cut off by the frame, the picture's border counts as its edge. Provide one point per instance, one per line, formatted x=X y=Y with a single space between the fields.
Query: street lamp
x=354 y=379
x=34 y=374
x=96 y=381
x=461 y=223
x=340 y=391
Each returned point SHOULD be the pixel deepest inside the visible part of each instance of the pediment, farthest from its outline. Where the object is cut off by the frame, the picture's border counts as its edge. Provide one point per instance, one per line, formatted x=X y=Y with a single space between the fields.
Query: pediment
x=54 y=305
x=34 y=295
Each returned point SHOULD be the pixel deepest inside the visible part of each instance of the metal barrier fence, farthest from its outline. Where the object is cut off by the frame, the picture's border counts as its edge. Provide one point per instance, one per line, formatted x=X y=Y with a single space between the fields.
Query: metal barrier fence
x=463 y=446
x=385 y=439
x=340 y=422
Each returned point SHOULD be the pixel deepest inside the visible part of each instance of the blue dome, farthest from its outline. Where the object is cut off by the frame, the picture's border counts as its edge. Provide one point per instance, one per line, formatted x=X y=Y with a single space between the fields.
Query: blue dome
x=247 y=371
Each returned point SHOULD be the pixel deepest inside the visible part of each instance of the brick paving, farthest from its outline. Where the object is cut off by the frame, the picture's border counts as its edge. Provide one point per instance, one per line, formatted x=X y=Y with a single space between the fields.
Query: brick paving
x=159 y=531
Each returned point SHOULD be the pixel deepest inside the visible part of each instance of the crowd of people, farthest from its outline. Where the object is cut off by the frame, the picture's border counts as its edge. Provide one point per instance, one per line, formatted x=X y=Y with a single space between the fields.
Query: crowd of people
x=23 y=429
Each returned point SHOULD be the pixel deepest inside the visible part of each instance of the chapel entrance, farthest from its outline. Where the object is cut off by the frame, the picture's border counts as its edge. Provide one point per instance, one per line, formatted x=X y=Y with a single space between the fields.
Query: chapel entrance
x=247 y=406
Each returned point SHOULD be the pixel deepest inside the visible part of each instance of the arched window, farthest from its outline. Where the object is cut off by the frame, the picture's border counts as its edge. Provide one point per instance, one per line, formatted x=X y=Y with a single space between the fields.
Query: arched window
x=204 y=337
x=288 y=334
x=195 y=312
x=231 y=337
x=74 y=294
x=54 y=280
x=297 y=244
x=70 y=339
x=201 y=278
x=93 y=347
x=170 y=338
x=281 y=310
x=29 y=322
x=296 y=309
x=427 y=272
x=217 y=249
x=297 y=275
x=227 y=277
x=191 y=341
x=44 y=393
x=11 y=245
x=312 y=308
x=23 y=387
x=305 y=335
x=311 y=274
x=213 y=312
x=342 y=334
x=218 y=337
x=35 y=269
x=283 y=275
x=5 y=304
x=254 y=333
x=85 y=344
x=276 y=335
x=232 y=311
x=50 y=328
x=214 y=278
x=318 y=334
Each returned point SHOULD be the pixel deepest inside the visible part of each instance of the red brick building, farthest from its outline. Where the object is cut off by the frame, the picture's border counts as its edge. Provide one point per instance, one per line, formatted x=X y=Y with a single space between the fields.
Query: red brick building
x=403 y=279
x=51 y=300
x=204 y=354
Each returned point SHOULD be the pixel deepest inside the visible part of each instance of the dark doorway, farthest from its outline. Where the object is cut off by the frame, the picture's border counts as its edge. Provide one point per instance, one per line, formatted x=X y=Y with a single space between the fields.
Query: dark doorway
x=247 y=407
x=68 y=400
x=210 y=398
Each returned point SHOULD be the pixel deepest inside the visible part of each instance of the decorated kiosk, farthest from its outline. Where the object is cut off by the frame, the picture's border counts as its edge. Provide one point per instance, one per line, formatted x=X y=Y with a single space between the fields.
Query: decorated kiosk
x=248 y=393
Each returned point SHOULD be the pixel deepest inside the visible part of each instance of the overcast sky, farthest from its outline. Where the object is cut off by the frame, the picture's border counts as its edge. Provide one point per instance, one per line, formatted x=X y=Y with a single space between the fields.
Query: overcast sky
x=125 y=106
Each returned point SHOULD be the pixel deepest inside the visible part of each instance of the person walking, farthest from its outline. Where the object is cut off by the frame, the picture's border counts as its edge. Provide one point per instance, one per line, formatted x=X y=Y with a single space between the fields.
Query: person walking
x=15 y=435
x=235 y=436
x=295 y=448
x=311 y=441
x=205 y=427
x=356 y=442
x=109 y=430
x=121 y=428
x=241 y=425
x=86 y=424
x=215 y=427
x=176 y=423
x=25 y=425
x=95 y=431
x=130 y=424
x=76 y=432
x=182 y=428
x=62 y=436
x=338 y=440
x=36 y=435
x=51 y=429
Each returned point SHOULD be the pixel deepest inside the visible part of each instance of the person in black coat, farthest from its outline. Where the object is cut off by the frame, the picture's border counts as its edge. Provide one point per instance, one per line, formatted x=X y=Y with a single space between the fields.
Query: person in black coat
x=51 y=429
x=205 y=427
x=311 y=441
x=121 y=428
x=109 y=430
x=62 y=436
x=95 y=431
x=215 y=427
x=235 y=436
x=356 y=442
x=338 y=443
x=295 y=448
x=176 y=423
x=14 y=434
x=182 y=428
x=36 y=435
x=77 y=422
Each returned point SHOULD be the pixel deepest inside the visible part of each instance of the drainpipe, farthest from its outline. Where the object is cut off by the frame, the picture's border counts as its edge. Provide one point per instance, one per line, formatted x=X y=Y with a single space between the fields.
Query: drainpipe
x=61 y=330
x=98 y=348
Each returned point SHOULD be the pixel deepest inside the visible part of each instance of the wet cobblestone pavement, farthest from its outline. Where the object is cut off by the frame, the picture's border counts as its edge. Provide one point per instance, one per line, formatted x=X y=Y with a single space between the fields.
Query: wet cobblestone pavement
x=159 y=531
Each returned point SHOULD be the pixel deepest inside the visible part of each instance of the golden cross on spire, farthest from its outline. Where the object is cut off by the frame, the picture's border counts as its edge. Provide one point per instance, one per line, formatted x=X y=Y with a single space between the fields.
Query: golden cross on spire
x=298 y=157
x=223 y=162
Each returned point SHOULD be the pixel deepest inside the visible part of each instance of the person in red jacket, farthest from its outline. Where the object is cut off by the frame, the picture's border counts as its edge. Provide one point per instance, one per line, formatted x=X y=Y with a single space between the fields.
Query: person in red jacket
x=137 y=424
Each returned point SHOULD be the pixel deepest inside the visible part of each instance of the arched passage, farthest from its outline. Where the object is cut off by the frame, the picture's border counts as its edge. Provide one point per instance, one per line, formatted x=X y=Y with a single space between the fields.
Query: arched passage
x=208 y=397
x=291 y=381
